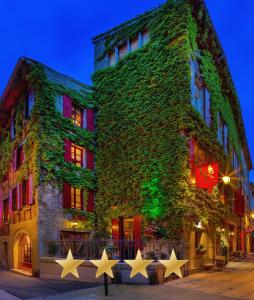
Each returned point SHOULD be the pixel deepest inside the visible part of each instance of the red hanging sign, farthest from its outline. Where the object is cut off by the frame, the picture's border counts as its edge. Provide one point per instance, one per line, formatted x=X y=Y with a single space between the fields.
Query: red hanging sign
x=207 y=176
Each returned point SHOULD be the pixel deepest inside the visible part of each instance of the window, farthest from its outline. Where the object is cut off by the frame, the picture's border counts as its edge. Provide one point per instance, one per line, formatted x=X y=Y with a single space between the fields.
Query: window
x=24 y=199
x=5 y=210
x=145 y=37
x=29 y=103
x=14 y=199
x=200 y=95
x=77 y=155
x=112 y=58
x=12 y=126
x=123 y=50
x=134 y=43
x=76 y=198
x=20 y=156
x=222 y=133
x=77 y=116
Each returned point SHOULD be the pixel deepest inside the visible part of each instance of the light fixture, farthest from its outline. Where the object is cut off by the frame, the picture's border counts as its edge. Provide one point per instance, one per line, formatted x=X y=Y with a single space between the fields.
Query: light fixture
x=199 y=225
x=74 y=224
x=252 y=215
x=226 y=180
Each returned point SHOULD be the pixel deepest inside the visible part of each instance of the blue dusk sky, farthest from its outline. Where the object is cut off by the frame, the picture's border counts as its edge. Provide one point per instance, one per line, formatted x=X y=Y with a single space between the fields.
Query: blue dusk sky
x=59 y=32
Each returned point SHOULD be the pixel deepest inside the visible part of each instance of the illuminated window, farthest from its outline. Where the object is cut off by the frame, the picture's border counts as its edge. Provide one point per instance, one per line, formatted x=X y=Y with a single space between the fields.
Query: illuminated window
x=77 y=116
x=77 y=155
x=76 y=198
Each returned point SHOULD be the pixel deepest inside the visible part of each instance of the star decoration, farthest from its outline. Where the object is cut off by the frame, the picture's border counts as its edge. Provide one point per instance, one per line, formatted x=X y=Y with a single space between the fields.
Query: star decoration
x=104 y=265
x=138 y=265
x=173 y=265
x=69 y=265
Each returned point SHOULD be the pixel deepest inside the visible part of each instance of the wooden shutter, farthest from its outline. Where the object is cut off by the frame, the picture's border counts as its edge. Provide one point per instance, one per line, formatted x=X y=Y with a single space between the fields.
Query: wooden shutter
x=115 y=230
x=30 y=190
x=14 y=160
x=89 y=160
x=67 y=147
x=137 y=233
x=90 y=120
x=137 y=228
x=90 y=201
x=85 y=118
x=59 y=104
x=66 y=195
x=67 y=106
x=1 y=206
x=10 y=202
x=18 y=196
x=207 y=108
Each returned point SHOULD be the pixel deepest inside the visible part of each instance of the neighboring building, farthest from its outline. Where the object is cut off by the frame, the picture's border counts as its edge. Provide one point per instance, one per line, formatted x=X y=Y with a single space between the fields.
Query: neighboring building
x=47 y=145
x=168 y=109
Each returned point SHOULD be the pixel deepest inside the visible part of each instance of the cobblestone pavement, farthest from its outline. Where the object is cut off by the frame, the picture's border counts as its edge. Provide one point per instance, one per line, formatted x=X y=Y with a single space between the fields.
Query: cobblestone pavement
x=236 y=282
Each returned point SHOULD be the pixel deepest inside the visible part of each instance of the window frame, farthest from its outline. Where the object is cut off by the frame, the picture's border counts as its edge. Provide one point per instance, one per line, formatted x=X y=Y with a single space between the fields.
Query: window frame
x=74 y=196
x=74 y=160
x=74 y=109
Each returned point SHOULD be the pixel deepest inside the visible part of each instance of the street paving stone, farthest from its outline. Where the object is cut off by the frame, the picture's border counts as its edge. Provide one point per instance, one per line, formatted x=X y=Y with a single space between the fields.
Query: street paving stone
x=235 y=282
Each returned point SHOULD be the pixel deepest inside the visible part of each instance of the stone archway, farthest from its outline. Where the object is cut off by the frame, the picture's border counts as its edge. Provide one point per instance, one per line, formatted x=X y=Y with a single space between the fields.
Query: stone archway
x=22 y=251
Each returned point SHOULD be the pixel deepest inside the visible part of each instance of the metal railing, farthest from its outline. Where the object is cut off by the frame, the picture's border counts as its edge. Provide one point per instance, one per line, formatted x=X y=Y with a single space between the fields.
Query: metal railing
x=121 y=249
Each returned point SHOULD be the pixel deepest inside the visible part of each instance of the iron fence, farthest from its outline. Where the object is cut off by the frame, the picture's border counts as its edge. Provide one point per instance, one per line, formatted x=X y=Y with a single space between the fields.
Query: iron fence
x=121 y=249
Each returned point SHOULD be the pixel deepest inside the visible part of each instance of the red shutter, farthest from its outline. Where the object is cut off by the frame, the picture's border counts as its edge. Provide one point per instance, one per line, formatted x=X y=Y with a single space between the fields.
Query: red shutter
x=115 y=230
x=14 y=160
x=1 y=206
x=137 y=233
x=10 y=202
x=90 y=201
x=90 y=160
x=90 y=120
x=67 y=109
x=30 y=190
x=67 y=147
x=66 y=195
x=22 y=154
x=239 y=203
x=18 y=196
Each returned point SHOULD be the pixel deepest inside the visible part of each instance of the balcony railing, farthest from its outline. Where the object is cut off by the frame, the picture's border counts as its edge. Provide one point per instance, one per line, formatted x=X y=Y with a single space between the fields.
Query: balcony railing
x=92 y=249
x=4 y=229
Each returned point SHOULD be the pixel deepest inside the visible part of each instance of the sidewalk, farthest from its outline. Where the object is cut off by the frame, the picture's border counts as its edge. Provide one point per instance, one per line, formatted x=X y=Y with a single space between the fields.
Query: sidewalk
x=5 y=296
x=135 y=292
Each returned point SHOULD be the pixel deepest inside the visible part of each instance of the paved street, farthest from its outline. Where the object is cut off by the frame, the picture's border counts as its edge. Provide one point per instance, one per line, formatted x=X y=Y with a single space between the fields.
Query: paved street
x=236 y=282
x=27 y=287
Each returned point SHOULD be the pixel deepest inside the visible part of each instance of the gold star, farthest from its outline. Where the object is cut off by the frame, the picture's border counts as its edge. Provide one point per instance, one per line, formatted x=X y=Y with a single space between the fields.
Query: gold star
x=139 y=265
x=173 y=265
x=69 y=265
x=104 y=265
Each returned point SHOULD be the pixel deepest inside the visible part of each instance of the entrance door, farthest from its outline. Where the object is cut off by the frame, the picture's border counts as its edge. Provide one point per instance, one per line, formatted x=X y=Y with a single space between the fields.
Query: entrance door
x=25 y=253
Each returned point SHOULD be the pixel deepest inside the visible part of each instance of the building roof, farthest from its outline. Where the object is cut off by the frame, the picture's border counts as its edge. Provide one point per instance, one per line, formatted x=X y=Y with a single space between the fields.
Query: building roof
x=18 y=82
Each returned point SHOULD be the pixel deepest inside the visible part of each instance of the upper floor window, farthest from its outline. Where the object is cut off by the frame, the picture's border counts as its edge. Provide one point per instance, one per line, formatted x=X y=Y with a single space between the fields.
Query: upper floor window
x=14 y=199
x=29 y=103
x=77 y=116
x=200 y=95
x=130 y=45
x=24 y=198
x=5 y=210
x=19 y=156
x=77 y=155
x=222 y=133
x=76 y=198
x=81 y=117
x=13 y=126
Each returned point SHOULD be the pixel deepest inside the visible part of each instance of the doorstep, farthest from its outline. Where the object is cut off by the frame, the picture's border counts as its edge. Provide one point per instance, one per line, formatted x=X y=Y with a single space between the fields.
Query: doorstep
x=22 y=272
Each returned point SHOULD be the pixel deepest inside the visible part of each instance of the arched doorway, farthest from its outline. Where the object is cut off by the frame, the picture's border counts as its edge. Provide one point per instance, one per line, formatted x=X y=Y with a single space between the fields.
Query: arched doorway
x=25 y=253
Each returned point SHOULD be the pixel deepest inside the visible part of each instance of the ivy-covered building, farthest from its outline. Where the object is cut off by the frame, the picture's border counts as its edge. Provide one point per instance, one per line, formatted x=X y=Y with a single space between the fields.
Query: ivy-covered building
x=46 y=163
x=168 y=109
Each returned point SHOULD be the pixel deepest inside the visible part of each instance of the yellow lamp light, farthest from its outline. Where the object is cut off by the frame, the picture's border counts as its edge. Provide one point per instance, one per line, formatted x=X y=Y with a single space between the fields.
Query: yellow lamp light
x=252 y=215
x=226 y=180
